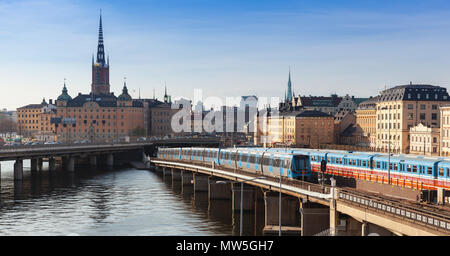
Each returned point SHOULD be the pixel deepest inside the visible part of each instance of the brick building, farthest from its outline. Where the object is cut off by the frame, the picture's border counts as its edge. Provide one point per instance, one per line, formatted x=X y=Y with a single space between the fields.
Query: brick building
x=99 y=116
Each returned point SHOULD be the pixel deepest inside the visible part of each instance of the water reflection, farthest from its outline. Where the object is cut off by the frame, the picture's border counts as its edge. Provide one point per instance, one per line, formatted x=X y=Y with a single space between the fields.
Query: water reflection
x=117 y=202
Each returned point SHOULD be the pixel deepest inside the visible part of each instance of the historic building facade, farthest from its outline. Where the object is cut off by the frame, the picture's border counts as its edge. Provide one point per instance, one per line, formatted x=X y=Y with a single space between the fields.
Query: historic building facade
x=445 y=131
x=33 y=121
x=424 y=140
x=99 y=116
x=366 y=124
x=402 y=107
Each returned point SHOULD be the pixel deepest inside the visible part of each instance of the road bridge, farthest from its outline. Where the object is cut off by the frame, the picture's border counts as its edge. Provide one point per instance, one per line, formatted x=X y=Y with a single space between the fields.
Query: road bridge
x=93 y=154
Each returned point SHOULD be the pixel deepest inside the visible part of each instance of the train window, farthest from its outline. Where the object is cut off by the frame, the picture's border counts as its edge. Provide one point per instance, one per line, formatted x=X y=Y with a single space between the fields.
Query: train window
x=430 y=170
x=287 y=163
x=414 y=169
x=276 y=162
x=395 y=167
x=354 y=162
x=408 y=168
x=329 y=160
x=251 y=159
x=378 y=165
x=441 y=172
x=244 y=158
x=390 y=166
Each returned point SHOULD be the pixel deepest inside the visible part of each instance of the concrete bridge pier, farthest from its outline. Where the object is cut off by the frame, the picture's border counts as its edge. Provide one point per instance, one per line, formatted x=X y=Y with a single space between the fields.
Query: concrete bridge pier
x=176 y=175
x=186 y=182
x=70 y=167
x=249 y=194
x=93 y=161
x=315 y=218
x=200 y=182
x=167 y=171
x=18 y=169
x=40 y=163
x=290 y=218
x=51 y=164
x=34 y=164
x=364 y=228
x=218 y=191
x=110 y=160
x=186 y=178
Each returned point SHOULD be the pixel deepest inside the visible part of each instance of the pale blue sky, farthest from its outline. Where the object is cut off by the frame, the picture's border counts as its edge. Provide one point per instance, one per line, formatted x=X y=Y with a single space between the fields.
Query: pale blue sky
x=226 y=48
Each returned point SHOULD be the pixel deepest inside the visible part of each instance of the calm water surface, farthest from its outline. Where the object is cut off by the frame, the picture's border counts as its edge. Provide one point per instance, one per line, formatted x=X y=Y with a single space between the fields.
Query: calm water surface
x=118 y=202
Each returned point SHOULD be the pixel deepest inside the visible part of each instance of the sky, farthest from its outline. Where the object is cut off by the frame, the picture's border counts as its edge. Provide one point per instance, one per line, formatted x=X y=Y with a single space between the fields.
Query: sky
x=225 y=48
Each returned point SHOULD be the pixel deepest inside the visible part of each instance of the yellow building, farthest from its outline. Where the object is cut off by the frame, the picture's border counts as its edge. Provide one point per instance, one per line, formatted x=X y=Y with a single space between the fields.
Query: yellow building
x=366 y=123
x=402 y=107
x=32 y=120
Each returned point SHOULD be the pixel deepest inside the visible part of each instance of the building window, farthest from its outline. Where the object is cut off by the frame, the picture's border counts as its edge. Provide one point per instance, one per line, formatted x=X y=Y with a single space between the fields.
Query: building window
x=422 y=116
x=410 y=106
x=422 y=106
x=434 y=116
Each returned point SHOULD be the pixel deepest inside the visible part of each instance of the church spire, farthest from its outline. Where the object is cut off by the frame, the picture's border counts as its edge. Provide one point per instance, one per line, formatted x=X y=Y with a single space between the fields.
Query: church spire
x=166 y=97
x=100 y=47
x=289 y=90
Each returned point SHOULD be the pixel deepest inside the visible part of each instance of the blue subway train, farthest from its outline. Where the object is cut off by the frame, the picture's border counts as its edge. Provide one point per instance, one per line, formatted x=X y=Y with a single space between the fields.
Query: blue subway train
x=256 y=160
x=413 y=171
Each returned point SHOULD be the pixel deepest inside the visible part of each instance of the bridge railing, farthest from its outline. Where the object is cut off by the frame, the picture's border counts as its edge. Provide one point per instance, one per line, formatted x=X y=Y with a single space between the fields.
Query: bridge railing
x=420 y=217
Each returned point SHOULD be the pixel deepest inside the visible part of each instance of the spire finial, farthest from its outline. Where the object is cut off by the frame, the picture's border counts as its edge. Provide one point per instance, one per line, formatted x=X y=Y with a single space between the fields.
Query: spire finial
x=100 y=47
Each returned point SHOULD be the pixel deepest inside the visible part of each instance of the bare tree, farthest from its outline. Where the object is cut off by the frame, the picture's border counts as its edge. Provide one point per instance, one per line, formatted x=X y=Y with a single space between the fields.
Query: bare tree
x=7 y=124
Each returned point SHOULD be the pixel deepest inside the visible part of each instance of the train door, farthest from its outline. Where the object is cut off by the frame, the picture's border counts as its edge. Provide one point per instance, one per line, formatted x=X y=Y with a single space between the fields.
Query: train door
x=270 y=163
x=239 y=156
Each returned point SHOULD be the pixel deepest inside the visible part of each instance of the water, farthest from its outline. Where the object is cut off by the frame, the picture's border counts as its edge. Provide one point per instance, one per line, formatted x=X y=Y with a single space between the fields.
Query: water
x=118 y=202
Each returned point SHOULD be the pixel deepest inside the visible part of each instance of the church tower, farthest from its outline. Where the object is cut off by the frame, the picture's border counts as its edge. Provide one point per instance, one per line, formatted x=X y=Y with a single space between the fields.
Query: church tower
x=100 y=68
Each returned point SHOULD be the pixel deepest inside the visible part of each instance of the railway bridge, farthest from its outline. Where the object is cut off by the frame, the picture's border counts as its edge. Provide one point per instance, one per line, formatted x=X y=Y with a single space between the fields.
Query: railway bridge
x=309 y=208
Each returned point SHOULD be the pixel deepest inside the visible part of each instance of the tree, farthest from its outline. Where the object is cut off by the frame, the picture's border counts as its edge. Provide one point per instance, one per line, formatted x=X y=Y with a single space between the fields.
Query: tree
x=7 y=124
x=138 y=131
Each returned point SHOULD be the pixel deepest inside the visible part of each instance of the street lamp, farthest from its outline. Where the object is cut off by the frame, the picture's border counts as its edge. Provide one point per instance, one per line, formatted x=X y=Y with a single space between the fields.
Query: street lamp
x=389 y=145
x=242 y=196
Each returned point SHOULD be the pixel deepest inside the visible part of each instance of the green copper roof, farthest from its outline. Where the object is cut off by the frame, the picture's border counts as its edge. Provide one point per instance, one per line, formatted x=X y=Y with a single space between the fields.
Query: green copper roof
x=124 y=96
x=64 y=96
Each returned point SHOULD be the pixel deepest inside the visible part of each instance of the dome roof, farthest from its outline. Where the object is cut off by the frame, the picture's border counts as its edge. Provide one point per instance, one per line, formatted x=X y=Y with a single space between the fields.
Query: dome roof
x=124 y=96
x=64 y=96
